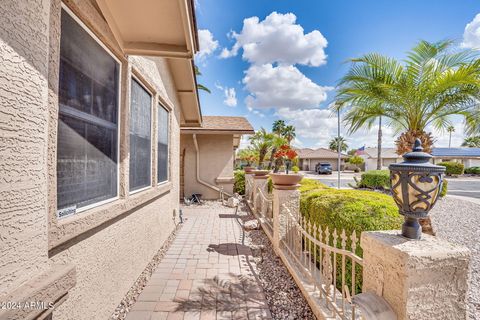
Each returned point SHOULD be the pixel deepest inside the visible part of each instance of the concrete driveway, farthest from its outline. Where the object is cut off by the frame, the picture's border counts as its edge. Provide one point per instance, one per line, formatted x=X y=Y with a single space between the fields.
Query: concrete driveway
x=462 y=186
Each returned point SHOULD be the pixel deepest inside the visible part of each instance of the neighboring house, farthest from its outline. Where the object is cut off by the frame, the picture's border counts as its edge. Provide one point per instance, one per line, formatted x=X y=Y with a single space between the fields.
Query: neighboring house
x=389 y=156
x=94 y=94
x=470 y=157
x=308 y=158
x=208 y=153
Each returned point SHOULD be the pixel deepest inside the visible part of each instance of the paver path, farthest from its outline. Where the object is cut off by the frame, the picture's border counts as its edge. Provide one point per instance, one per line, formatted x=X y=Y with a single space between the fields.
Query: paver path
x=207 y=273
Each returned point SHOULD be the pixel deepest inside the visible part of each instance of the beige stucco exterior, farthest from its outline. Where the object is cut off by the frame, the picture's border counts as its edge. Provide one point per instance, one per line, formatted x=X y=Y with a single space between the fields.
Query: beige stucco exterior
x=109 y=245
x=215 y=166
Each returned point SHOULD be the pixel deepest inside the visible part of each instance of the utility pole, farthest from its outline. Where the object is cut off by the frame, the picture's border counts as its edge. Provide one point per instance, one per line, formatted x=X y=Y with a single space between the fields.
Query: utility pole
x=339 y=148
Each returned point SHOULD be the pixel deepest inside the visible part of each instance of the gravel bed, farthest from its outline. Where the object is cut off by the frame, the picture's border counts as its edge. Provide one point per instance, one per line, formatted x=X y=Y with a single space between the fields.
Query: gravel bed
x=130 y=298
x=284 y=298
x=458 y=221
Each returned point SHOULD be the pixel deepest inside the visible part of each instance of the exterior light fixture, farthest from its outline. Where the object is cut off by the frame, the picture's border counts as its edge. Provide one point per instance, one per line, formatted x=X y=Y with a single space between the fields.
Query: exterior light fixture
x=416 y=185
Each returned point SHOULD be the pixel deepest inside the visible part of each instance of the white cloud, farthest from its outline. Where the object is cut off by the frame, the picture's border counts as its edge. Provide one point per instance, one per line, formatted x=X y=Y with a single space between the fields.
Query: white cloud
x=319 y=126
x=230 y=95
x=471 y=35
x=207 y=43
x=281 y=87
x=278 y=39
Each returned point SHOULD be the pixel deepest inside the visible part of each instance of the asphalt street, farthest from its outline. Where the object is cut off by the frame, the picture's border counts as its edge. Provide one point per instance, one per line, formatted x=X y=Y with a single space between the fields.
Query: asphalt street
x=463 y=186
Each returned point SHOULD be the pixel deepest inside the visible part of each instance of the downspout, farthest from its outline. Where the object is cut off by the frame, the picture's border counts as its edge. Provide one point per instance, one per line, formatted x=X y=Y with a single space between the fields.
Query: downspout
x=197 y=169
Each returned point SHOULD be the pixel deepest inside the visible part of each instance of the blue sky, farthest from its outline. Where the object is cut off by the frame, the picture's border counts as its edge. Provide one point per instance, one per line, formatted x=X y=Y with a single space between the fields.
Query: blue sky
x=267 y=68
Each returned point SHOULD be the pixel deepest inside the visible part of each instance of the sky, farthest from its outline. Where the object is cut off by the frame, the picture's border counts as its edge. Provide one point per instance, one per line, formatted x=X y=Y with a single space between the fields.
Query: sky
x=270 y=60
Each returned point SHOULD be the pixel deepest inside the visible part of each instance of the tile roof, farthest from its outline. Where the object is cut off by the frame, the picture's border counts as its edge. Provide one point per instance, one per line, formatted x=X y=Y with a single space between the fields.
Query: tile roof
x=320 y=153
x=456 y=152
x=223 y=123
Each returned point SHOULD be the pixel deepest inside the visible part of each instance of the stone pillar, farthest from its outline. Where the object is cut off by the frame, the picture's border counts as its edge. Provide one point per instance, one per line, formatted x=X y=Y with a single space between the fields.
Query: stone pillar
x=420 y=279
x=259 y=182
x=290 y=196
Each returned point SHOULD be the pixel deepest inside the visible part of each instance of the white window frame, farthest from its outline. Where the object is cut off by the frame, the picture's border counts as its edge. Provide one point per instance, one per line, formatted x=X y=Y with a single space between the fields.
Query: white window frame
x=152 y=103
x=119 y=105
x=161 y=105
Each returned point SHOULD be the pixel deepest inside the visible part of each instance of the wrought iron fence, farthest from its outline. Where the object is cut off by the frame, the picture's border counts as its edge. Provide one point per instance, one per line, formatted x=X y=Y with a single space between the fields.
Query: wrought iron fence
x=327 y=258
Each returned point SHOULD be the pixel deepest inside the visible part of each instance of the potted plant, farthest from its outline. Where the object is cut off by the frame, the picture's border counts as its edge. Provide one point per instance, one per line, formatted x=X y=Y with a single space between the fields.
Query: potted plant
x=286 y=155
x=249 y=157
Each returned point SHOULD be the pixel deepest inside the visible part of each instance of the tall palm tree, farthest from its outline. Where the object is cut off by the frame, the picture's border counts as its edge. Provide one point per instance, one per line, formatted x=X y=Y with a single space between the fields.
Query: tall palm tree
x=333 y=145
x=450 y=130
x=261 y=142
x=472 y=142
x=432 y=84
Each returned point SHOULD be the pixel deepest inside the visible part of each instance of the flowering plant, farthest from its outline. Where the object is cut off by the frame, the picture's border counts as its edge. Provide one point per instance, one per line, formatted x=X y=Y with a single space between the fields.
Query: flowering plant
x=286 y=154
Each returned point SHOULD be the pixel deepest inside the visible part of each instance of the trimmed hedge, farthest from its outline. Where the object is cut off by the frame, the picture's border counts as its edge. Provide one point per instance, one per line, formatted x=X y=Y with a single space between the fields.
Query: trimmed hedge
x=350 y=210
x=444 y=190
x=452 y=168
x=239 y=184
x=375 y=179
x=473 y=170
x=307 y=185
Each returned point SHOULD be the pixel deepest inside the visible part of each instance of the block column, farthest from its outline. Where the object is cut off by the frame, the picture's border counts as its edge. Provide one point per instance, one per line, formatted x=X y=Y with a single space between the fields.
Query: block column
x=420 y=279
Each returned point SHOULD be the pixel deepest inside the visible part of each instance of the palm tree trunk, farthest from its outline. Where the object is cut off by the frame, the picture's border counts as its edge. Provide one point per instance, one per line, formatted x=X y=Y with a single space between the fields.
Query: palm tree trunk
x=450 y=140
x=379 y=142
x=270 y=162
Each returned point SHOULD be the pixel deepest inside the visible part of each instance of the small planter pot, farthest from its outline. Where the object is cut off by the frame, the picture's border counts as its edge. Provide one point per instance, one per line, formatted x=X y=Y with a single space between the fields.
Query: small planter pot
x=248 y=169
x=282 y=180
x=261 y=173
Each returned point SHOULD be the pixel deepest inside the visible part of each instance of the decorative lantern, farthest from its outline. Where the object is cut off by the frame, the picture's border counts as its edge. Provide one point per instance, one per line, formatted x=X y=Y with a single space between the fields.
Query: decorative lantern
x=416 y=185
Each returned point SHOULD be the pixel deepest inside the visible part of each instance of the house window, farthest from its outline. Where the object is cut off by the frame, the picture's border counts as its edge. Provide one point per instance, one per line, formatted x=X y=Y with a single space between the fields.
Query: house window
x=87 y=149
x=140 y=133
x=162 y=140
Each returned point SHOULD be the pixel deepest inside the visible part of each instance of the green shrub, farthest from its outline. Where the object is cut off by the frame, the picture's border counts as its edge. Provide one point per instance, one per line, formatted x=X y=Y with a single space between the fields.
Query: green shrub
x=295 y=169
x=350 y=210
x=269 y=185
x=307 y=185
x=452 y=168
x=239 y=183
x=443 y=192
x=473 y=170
x=375 y=179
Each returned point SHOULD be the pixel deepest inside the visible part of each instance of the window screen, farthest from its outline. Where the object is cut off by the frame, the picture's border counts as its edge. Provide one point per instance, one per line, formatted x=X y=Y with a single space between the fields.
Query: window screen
x=140 y=144
x=162 y=159
x=87 y=127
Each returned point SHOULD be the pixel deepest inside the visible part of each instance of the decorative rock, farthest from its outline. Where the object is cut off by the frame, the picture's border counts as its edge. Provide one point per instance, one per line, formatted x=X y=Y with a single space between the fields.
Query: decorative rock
x=233 y=202
x=251 y=225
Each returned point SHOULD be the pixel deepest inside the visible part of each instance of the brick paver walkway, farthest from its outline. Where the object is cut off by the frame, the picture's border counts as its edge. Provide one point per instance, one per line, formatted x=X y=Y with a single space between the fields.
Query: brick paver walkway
x=207 y=273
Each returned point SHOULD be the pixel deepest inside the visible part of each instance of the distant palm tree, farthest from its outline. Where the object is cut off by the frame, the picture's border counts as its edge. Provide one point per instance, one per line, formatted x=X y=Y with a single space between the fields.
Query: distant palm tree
x=261 y=142
x=472 y=142
x=432 y=85
x=450 y=129
x=278 y=126
x=336 y=141
x=289 y=133
x=200 y=86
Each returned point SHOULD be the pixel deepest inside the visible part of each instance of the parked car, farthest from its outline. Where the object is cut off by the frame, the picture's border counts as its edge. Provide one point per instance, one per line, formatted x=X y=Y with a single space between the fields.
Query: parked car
x=323 y=168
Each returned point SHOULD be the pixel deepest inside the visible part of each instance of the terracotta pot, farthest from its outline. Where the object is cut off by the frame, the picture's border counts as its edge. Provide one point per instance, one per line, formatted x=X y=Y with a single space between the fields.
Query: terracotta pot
x=283 y=179
x=248 y=169
x=260 y=173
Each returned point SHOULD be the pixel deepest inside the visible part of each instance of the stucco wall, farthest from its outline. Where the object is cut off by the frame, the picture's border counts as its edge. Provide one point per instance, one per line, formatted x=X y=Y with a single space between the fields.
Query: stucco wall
x=109 y=254
x=23 y=146
x=216 y=161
